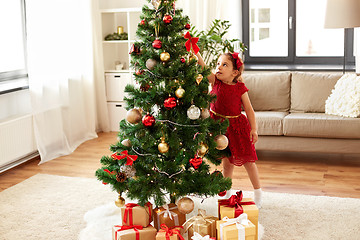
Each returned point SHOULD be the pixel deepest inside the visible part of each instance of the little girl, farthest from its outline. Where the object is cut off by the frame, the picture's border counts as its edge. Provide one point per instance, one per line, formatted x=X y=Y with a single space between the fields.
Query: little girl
x=231 y=94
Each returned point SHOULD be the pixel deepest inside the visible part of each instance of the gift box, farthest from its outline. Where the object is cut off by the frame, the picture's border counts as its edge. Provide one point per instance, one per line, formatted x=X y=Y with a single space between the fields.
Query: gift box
x=197 y=236
x=168 y=215
x=239 y=228
x=166 y=233
x=136 y=232
x=236 y=205
x=201 y=224
x=134 y=214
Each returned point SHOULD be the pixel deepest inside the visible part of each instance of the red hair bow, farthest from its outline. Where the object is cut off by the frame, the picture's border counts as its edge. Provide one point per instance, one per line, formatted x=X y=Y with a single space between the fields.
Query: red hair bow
x=124 y=154
x=191 y=43
x=235 y=55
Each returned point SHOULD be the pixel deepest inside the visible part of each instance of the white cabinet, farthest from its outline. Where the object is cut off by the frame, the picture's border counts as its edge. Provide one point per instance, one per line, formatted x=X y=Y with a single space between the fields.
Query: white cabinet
x=115 y=55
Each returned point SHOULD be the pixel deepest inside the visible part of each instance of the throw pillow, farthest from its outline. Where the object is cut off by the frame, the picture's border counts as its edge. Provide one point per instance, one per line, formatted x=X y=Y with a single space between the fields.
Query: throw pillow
x=344 y=99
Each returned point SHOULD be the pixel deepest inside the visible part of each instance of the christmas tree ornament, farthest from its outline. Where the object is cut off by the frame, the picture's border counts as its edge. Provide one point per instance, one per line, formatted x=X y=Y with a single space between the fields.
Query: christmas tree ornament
x=196 y=162
x=199 y=78
x=133 y=116
x=151 y=63
x=164 y=56
x=163 y=146
x=156 y=3
x=139 y=72
x=179 y=93
x=187 y=26
x=120 y=177
x=217 y=173
x=126 y=143
x=182 y=60
x=140 y=133
x=135 y=49
x=120 y=201
x=170 y=103
x=148 y=120
x=193 y=57
x=221 y=194
x=203 y=149
x=205 y=113
x=129 y=170
x=193 y=112
x=167 y=18
x=143 y=22
x=191 y=43
x=157 y=43
x=185 y=205
x=144 y=87
x=221 y=142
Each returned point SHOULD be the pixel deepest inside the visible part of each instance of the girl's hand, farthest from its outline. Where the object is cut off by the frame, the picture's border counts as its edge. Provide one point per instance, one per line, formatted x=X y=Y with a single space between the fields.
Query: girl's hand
x=253 y=136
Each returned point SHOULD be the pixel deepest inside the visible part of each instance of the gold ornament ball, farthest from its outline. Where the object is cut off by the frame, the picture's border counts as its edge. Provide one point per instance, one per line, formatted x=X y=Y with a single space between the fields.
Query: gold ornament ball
x=199 y=78
x=205 y=113
x=179 y=93
x=163 y=146
x=203 y=149
x=185 y=205
x=221 y=142
x=165 y=56
x=126 y=143
x=151 y=63
x=193 y=57
x=133 y=116
x=120 y=202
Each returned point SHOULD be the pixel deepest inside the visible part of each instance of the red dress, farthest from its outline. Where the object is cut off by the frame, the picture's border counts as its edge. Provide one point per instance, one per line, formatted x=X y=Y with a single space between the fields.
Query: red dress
x=228 y=103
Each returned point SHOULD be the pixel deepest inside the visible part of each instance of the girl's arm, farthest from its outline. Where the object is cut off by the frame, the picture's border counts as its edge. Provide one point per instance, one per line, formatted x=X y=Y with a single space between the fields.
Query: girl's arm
x=251 y=117
x=201 y=62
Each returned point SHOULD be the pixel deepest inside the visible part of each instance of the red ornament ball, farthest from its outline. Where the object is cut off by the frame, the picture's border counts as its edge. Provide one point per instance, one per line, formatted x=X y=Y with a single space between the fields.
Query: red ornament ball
x=221 y=194
x=157 y=44
x=148 y=120
x=170 y=103
x=182 y=60
x=143 y=22
x=139 y=72
x=135 y=49
x=187 y=26
x=167 y=19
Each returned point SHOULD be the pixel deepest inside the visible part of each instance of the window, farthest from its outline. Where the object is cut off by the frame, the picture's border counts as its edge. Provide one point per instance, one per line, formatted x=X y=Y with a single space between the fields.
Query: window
x=291 y=32
x=12 y=44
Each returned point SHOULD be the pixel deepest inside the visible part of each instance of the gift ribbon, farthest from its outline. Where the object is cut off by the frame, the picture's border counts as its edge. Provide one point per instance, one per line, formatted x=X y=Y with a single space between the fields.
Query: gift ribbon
x=240 y=222
x=135 y=227
x=197 y=236
x=167 y=213
x=128 y=211
x=171 y=231
x=235 y=202
x=191 y=43
x=211 y=219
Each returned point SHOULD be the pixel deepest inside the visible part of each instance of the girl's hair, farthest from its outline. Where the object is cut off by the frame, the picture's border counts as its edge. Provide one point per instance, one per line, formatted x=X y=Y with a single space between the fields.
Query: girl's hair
x=234 y=62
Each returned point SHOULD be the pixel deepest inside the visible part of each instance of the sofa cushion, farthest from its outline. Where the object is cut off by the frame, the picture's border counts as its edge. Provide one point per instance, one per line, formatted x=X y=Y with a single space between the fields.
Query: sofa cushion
x=321 y=125
x=270 y=123
x=269 y=91
x=309 y=91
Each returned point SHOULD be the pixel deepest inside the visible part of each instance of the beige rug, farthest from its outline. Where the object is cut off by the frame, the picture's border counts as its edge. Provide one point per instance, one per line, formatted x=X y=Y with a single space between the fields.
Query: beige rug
x=53 y=207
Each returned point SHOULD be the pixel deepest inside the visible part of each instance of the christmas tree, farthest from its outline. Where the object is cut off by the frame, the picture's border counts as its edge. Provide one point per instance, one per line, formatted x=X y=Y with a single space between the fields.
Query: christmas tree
x=167 y=141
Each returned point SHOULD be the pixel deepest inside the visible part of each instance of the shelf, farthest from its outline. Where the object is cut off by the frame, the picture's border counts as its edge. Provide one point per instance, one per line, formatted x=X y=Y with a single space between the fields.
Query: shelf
x=118 y=71
x=120 y=10
x=116 y=41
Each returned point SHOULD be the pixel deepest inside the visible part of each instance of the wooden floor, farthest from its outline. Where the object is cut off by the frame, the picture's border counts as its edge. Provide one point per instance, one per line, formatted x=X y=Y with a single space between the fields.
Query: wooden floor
x=314 y=174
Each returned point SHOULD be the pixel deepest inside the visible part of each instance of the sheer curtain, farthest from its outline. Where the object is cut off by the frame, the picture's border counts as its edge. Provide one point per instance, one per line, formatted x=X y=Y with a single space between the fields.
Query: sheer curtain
x=66 y=85
x=203 y=12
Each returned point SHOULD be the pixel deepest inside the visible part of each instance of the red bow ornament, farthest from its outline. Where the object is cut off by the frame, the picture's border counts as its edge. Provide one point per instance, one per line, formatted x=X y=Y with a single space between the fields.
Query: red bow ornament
x=122 y=228
x=171 y=231
x=235 y=202
x=191 y=43
x=124 y=154
x=196 y=162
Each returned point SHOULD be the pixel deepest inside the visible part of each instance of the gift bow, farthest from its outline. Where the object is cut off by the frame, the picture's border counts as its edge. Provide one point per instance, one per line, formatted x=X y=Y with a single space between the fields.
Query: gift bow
x=167 y=211
x=235 y=202
x=171 y=231
x=191 y=43
x=197 y=236
x=240 y=222
x=124 y=154
x=135 y=227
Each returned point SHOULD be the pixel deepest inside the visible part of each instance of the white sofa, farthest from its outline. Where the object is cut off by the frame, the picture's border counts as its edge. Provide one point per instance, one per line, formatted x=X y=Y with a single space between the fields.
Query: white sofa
x=290 y=113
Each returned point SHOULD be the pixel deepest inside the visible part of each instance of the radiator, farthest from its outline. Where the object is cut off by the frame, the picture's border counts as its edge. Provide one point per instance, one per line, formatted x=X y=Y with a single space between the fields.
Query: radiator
x=17 y=142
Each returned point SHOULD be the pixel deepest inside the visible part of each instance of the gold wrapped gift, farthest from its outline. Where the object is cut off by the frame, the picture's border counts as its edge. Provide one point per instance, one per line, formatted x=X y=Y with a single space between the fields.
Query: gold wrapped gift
x=247 y=206
x=235 y=228
x=133 y=232
x=202 y=224
x=168 y=215
x=172 y=233
x=134 y=214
